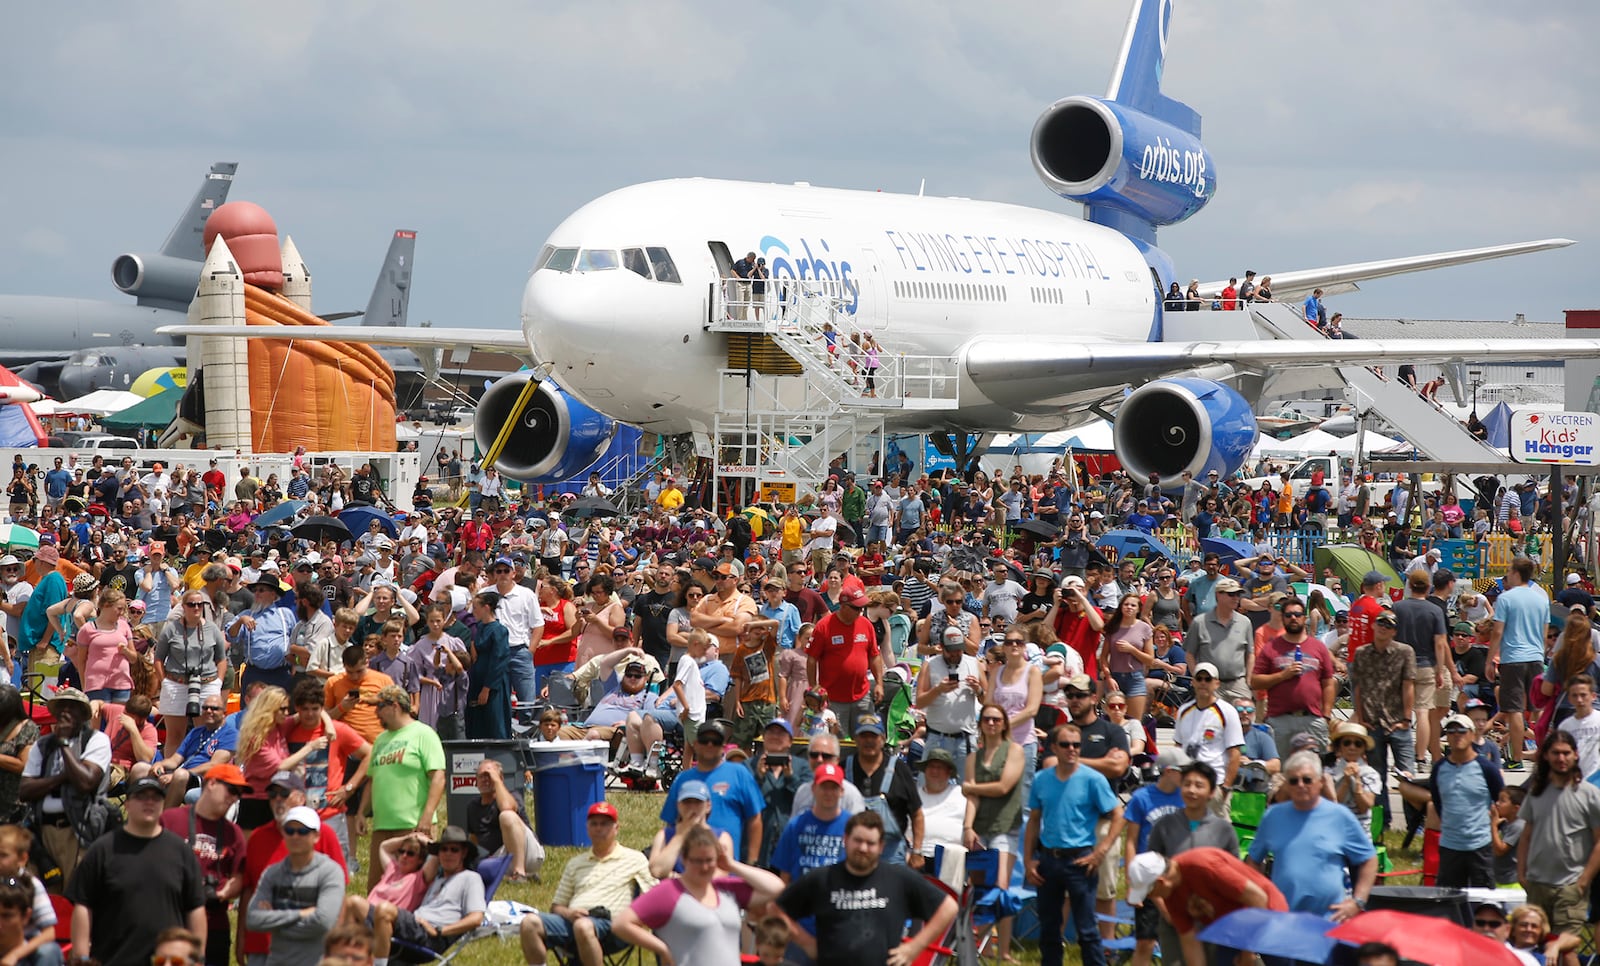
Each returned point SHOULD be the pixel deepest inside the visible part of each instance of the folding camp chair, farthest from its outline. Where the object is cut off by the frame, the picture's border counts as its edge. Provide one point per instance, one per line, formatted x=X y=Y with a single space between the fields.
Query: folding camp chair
x=492 y=871
x=63 y=910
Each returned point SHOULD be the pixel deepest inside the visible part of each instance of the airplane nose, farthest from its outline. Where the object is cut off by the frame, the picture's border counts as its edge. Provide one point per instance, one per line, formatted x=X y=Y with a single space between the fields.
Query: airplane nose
x=564 y=317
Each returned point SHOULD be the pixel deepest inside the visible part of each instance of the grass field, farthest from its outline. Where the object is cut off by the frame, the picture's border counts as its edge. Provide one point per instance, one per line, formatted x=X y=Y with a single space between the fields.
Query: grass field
x=639 y=811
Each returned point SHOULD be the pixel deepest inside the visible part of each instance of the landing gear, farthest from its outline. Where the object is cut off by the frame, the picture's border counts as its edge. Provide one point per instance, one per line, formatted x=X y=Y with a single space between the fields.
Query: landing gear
x=964 y=449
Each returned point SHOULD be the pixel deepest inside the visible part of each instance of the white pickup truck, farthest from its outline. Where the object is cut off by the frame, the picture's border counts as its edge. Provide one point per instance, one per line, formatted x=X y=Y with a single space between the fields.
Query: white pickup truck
x=1335 y=471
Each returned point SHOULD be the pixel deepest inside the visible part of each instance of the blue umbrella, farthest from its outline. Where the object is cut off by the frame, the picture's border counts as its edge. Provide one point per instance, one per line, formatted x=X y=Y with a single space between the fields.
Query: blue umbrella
x=1228 y=550
x=1133 y=543
x=359 y=518
x=278 y=514
x=1292 y=935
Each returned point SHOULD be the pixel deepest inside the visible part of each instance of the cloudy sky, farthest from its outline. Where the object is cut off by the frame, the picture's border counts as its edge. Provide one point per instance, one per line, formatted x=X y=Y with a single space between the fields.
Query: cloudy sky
x=1340 y=132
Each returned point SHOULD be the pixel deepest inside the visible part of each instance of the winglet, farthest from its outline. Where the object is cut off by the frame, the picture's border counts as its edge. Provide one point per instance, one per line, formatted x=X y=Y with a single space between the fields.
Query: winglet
x=392 y=293
x=1136 y=80
x=186 y=240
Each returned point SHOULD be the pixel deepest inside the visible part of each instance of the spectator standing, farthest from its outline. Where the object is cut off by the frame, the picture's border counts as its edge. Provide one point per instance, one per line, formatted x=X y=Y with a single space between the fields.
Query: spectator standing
x=298 y=899
x=1421 y=625
x=1060 y=850
x=219 y=847
x=814 y=838
x=489 y=679
x=861 y=905
x=696 y=920
x=843 y=649
x=1208 y=729
x=1312 y=842
x=1516 y=650
x=1296 y=671
x=518 y=610
x=944 y=805
x=605 y=877
x=1464 y=788
x=134 y=882
x=189 y=650
x=331 y=784
x=265 y=847
x=264 y=632
x=1383 y=694
x=1558 y=853
x=406 y=775
x=1224 y=638
x=887 y=787
x=64 y=780
x=949 y=687
x=1198 y=887
x=736 y=803
x=1147 y=805
x=352 y=696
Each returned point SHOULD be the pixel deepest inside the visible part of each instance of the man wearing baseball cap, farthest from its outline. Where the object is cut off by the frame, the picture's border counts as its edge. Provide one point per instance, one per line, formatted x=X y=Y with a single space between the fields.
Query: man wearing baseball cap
x=1465 y=787
x=134 y=882
x=219 y=846
x=315 y=881
x=727 y=611
x=843 y=648
x=594 y=886
x=736 y=803
x=814 y=838
x=1221 y=882
x=1224 y=638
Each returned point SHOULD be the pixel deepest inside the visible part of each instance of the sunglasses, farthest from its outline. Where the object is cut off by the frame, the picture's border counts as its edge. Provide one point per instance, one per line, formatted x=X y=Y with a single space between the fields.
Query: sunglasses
x=1203 y=678
x=1117 y=704
x=298 y=830
x=1302 y=780
x=709 y=740
x=1069 y=744
x=821 y=756
x=1489 y=923
x=1352 y=743
x=1246 y=709
x=171 y=961
x=991 y=719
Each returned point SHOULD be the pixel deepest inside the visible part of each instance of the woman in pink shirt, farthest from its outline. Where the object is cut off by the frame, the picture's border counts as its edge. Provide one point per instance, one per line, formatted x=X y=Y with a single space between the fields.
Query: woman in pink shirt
x=104 y=646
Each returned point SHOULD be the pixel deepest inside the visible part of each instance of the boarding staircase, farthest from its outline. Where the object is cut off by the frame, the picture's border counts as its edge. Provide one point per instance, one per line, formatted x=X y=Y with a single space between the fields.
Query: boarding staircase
x=1434 y=432
x=784 y=430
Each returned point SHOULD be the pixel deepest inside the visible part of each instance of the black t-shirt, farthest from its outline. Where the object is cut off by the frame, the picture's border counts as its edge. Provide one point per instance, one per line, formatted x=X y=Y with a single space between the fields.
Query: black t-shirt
x=859 y=919
x=336 y=590
x=483 y=822
x=1419 y=622
x=136 y=887
x=1032 y=602
x=1473 y=662
x=1100 y=738
x=113 y=579
x=653 y=610
x=363 y=488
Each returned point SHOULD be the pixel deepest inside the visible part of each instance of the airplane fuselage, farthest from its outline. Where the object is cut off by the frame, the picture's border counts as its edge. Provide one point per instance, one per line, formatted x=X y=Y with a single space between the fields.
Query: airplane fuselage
x=925 y=275
x=40 y=326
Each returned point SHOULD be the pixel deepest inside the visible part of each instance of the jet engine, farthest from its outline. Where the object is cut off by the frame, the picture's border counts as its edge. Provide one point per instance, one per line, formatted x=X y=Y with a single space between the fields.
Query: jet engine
x=1172 y=425
x=1102 y=153
x=554 y=438
x=158 y=279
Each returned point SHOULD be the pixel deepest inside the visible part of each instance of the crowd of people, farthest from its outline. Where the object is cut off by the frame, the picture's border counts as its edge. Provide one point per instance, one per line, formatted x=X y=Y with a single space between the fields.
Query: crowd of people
x=856 y=695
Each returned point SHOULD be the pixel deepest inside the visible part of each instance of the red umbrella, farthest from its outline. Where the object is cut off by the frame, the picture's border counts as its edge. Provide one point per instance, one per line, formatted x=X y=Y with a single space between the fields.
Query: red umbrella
x=1437 y=942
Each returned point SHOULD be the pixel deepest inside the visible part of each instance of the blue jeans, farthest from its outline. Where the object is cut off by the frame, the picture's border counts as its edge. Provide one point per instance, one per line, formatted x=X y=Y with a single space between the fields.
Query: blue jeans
x=1064 y=881
x=113 y=695
x=524 y=683
x=1400 y=744
x=558 y=934
x=878 y=533
x=959 y=748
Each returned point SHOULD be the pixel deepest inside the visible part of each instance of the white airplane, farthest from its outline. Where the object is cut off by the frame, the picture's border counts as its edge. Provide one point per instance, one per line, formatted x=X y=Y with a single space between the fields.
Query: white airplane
x=1041 y=314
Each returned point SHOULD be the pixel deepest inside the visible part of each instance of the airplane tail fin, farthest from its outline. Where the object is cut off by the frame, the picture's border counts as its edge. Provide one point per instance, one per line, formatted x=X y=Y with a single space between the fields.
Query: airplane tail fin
x=1136 y=80
x=392 y=293
x=186 y=240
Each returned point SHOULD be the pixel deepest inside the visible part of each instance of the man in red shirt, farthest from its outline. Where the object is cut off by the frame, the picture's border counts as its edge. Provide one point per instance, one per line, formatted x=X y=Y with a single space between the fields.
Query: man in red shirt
x=842 y=649
x=1078 y=622
x=808 y=602
x=219 y=845
x=1197 y=887
x=1296 y=671
x=1365 y=608
x=214 y=480
x=285 y=791
x=328 y=788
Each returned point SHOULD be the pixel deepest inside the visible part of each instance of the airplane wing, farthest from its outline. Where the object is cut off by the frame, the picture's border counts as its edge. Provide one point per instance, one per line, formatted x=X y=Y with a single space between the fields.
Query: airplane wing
x=1030 y=375
x=491 y=340
x=1336 y=279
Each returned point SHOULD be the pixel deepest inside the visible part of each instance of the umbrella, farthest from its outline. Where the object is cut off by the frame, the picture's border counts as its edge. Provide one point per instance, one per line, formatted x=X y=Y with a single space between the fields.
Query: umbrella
x=1133 y=543
x=215 y=538
x=1336 y=604
x=1293 y=935
x=755 y=512
x=359 y=518
x=1039 y=528
x=844 y=531
x=1438 y=942
x=283 y=511
x=1352 y=563
x=1228 y=550
x=318 y=529
x=593 y=506
x=15 y=536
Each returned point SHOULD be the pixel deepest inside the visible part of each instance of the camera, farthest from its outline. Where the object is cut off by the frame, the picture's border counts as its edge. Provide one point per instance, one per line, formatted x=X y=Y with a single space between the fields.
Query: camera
x=777 y=761
x=599 y=912
x=192 y=706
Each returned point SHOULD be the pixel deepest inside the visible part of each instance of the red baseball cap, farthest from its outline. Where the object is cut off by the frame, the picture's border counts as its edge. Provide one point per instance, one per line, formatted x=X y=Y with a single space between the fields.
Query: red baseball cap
x=604 y=808
x=828 y=773
x=854 y=598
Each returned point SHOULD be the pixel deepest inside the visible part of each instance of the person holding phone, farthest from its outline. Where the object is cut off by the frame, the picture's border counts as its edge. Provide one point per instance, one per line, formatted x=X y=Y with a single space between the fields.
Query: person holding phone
x=948 y=688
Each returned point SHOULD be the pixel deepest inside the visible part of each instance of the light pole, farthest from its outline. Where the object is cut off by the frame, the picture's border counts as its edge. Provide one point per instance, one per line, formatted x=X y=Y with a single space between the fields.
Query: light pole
x=1477 y=375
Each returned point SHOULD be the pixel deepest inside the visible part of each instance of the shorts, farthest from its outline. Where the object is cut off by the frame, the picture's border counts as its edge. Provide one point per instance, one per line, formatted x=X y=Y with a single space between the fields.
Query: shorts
x=1427 y=687
x=410 y=932
x=558 y=933
x=1235 y=690
x=1146 y=921
x=1006 y=842
x=1515 y=680
x=749 y=727
x=1567 y=906
x=1445 y=697
x=174 y=698
x=1110 y=866
x=112 y=695
x=1131 y=683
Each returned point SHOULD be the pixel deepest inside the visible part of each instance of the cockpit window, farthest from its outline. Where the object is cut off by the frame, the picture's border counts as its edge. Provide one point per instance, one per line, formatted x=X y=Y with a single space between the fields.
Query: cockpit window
x=633 y=261
x=597 y=260
x=561 y=259
x=544 y=257
x=665 y=270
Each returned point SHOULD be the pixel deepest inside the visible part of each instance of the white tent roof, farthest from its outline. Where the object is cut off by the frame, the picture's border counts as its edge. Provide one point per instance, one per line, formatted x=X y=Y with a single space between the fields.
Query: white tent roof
x=45 y=407
x=101 y=402
x=1090 y=437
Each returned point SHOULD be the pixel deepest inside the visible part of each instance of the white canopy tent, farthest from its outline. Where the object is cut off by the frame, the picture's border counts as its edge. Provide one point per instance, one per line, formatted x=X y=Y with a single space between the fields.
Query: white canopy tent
x=101 y=402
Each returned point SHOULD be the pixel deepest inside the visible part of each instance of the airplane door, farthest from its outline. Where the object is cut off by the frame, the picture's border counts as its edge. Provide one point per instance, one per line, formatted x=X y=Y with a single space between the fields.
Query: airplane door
x=722 y=260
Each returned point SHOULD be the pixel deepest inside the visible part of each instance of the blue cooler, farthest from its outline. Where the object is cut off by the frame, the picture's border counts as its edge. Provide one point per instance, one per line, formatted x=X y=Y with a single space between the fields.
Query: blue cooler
x=568 y=777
